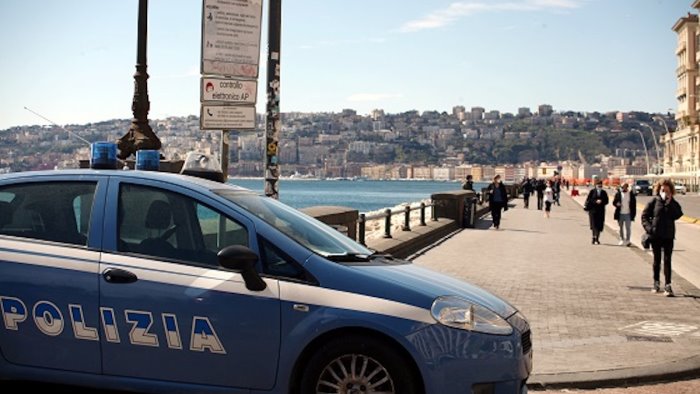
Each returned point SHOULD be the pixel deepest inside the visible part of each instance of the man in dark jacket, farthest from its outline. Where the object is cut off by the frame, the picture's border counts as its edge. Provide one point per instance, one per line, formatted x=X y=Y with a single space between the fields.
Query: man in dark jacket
x=539 y=188
x=625 y=203
x=527 y=190
x=468 y=184
x=556 y=188
x=595 y=205
x=498 y=199
x=659 y=221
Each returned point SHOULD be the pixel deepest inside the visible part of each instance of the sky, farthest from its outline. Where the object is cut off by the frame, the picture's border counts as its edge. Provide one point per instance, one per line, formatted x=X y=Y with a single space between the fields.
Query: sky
x=72 y=61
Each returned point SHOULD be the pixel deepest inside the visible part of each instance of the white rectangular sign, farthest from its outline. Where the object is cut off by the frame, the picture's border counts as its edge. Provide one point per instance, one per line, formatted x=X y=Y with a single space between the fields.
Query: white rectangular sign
x=228 y=90
x=227 y=117
x=231 y=37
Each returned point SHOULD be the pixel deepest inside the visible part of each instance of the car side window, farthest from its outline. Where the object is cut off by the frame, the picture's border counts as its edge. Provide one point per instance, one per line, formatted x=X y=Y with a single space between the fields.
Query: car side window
x=50 y=211
x=164 y=224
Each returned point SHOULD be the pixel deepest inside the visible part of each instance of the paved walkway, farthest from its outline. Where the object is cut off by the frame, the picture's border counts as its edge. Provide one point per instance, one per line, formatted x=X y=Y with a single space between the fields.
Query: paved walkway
x=686 y=248
x=593 y=317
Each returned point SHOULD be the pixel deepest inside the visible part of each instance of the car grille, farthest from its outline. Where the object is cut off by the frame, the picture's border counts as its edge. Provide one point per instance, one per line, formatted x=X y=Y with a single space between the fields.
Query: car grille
x=526 y=341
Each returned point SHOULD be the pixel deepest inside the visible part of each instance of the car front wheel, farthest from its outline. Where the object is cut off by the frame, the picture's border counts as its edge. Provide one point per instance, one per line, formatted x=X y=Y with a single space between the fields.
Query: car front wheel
x=357 y=365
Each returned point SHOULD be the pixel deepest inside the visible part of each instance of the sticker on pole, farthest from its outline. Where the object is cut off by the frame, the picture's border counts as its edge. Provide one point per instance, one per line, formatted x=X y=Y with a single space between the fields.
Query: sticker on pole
x=228 y=90
x=227 y=117
x=231 y=37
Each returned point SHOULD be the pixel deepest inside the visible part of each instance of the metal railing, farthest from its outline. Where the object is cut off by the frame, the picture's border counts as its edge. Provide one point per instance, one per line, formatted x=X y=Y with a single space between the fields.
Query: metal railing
x=388 y=213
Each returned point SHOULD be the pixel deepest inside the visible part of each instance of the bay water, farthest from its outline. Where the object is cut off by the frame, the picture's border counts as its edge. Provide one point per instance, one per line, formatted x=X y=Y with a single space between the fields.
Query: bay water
x=363 y=195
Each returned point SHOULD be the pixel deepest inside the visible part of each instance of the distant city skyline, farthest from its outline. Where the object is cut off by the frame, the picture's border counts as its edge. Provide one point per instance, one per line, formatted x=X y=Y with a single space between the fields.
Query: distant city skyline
x=73 y=61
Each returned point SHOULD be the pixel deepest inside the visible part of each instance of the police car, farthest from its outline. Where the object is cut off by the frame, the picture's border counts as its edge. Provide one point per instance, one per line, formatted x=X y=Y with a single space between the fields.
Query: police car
x=156 y=282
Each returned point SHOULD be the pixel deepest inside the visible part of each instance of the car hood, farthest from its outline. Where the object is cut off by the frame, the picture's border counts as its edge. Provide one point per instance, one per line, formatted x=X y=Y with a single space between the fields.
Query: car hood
x=434 y=284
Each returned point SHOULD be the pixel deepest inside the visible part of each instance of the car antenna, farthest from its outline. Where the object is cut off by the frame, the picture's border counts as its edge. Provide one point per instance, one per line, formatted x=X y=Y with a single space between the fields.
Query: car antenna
x=62 y=128
x=67 y=131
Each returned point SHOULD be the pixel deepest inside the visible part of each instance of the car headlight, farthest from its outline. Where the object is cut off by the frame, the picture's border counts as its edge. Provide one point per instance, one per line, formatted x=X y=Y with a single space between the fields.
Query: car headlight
x=458 y=313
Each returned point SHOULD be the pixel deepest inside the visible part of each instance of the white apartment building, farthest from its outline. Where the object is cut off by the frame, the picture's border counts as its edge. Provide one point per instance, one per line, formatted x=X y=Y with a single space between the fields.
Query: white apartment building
x=682 y=148
x=477 y=113
x=444 y=173
x=423 y=172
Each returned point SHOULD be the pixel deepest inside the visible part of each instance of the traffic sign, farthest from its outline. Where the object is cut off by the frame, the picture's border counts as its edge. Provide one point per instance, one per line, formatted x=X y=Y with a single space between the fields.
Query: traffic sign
x=227 y=117
x=231 y=37
x=228 y=90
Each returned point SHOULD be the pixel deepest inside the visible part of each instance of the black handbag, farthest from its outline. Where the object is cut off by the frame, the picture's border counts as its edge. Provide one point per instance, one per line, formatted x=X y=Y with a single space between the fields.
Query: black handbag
x=646 y=240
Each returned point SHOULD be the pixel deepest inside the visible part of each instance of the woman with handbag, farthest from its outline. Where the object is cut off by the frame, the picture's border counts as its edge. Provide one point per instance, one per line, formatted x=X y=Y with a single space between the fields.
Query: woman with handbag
x=658 y=219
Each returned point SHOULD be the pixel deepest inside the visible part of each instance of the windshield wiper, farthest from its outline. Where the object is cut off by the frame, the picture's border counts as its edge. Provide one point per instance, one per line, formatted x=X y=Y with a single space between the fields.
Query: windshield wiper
x=349 y=257
x=358 y=257
x=377 y=255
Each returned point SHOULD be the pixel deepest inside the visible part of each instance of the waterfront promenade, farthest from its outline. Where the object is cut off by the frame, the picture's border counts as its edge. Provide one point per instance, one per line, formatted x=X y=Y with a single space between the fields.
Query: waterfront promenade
x=593 y=317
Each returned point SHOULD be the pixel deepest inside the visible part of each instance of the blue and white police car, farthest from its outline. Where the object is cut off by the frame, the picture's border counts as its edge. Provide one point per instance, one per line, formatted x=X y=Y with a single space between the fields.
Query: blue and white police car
x=155 y=282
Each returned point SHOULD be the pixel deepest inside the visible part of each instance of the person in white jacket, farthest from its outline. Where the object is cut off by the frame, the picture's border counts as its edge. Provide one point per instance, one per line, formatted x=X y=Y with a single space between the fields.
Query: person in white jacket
x=548 y=199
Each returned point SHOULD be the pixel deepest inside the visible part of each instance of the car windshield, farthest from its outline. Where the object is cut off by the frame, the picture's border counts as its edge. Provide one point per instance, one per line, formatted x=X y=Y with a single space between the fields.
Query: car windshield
x=643 y=183
x=311 y=233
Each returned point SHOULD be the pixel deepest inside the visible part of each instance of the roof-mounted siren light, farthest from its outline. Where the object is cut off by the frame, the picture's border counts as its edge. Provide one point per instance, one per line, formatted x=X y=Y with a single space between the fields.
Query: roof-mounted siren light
x=202 y=165
x=147 y=160
x=103 y=155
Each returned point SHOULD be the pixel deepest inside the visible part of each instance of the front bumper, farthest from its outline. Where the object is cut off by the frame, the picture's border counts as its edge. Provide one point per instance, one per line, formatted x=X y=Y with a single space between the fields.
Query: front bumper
x=458 y=361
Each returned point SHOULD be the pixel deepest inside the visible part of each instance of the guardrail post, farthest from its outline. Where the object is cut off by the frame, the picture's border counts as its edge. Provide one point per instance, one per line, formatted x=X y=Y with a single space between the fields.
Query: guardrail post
x=407 y=219
x=361 y=225
x=433 y=212
x=422 y=214
x=387 y=224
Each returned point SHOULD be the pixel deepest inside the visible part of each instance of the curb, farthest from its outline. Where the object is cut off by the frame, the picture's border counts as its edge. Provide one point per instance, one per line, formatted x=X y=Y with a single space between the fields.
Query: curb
x=672 y=371
x=691 y=220
x=684 y=218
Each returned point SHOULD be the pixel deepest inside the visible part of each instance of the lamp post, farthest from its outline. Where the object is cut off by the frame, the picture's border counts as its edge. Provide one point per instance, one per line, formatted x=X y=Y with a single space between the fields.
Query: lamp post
x=140 y=135
x=663 y=121
x=656 y=146
x=646 y=152
x=669 y=139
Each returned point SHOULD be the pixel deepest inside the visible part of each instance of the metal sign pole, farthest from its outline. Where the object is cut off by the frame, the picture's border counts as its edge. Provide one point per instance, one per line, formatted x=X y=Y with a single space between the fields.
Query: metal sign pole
x=224 y=153
x=272 y=118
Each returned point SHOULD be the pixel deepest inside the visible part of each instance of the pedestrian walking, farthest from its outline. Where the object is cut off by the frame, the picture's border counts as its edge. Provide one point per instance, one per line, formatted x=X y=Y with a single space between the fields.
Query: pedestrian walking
x=527 y=190
x=659 y=221
x=539 y=188
x=556 y=188
x=498 y=200
x=595 y=205
x=625 y=203
x=548 y=199
x=468 y=184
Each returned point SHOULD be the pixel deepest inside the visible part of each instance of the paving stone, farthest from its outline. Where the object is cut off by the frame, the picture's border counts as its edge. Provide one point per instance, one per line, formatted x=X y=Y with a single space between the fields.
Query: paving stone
x=582 y=300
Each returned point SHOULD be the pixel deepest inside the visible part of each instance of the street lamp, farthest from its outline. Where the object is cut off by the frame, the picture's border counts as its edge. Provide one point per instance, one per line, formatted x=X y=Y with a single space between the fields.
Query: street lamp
x=140 y=135
x=656 y=146
x=646 y=152
x=669 y=145
x=663 y=121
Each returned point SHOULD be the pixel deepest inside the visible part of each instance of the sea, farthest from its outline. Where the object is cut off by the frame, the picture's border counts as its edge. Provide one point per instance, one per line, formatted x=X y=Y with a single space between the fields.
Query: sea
x=363 y=195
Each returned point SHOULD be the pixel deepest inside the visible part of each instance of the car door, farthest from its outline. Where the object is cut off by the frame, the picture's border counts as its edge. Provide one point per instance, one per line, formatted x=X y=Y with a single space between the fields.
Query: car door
x=172 y=312
x=49 y=265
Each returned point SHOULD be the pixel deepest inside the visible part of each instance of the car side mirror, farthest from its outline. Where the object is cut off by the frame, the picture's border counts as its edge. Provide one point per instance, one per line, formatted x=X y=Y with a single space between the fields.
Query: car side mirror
x=243 y=259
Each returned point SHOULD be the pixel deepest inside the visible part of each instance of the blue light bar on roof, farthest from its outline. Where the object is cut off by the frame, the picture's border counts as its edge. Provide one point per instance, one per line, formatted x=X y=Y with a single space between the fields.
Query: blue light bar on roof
x=103 y=155
x=147 y=160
